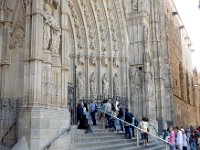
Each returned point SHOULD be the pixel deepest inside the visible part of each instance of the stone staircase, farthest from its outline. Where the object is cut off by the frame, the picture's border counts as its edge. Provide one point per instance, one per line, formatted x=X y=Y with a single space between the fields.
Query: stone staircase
x=105 y=139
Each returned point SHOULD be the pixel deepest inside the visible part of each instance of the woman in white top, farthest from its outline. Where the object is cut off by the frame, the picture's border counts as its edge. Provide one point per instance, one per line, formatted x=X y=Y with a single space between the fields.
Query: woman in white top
x=144 y=126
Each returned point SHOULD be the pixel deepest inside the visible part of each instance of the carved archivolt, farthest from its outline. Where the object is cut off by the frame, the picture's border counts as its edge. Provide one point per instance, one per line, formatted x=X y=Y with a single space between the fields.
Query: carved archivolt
x=104 y=60
x=92 y=59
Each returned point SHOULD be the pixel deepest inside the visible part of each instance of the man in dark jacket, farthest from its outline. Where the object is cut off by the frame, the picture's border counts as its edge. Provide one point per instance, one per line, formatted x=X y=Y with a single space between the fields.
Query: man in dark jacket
x=129 y=119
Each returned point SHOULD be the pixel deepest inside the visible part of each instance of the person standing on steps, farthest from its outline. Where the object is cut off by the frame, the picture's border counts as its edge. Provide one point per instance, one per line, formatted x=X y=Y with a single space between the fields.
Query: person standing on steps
x=93 y=110
x=120 y=116
x=144 y=126
x=79 y=112
x=172 y=139
x=108 y=110
x=179 y=138
x=113 y=119
x=185 y=139
x=129 y=119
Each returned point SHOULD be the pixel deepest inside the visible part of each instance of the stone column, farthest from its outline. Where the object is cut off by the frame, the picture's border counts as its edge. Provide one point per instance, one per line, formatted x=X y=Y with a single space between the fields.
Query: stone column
x=42 y=120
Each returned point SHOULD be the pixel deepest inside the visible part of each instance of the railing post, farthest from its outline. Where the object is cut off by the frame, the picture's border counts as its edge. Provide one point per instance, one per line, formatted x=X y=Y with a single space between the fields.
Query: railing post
x=137 y=138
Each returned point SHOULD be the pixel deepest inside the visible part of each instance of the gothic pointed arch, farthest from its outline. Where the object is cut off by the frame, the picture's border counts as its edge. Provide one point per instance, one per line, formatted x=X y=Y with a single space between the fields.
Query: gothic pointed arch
x=98 y=33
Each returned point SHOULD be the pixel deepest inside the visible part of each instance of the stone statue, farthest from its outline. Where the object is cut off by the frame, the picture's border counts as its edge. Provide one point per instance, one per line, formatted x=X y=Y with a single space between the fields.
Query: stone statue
x=81 y=81
x=92 y=84
x=52 y=31
x=116 y=85
x=115 y=61
x=55 y=41
x=46 y=29
x=105 y=85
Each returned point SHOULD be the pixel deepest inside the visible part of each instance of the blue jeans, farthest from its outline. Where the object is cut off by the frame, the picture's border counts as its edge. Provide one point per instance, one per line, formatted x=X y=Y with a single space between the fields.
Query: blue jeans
x=193 y=145
x=114 y=124
x=133 y=132
x=93 y=118
x=128 y=131
x=108 y=119
x=121 y=124
x=172 y=147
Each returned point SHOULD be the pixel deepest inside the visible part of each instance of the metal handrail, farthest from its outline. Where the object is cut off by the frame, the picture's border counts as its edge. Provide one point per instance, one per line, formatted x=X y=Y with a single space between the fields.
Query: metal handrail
x=47 y=146
x=167 y=143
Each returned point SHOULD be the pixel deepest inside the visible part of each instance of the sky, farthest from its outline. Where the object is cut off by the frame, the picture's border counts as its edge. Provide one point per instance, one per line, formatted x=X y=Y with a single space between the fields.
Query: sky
x=190 y=15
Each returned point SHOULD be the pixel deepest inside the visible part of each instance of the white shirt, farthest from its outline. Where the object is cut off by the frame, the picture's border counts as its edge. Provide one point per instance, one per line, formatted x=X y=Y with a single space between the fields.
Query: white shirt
x=179 y=139
x=184 y=140
x=144 y=125
x=108 y=108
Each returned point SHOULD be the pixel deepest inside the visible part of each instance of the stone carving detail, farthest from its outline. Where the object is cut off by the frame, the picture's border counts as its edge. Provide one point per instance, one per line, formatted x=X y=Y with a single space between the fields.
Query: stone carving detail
x=81 y=84
x=136 y=77
x=51 y=29
x=116 y=85
x=81 y=59
x=92 y=59
x=115 y=61
x=104 y=60
x=17 y=37
x=105 y=85
x=92 y=84
x=145 y=36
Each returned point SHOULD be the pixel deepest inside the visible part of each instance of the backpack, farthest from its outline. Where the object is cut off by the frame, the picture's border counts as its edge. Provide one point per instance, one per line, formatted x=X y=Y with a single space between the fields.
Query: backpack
x=136 y=123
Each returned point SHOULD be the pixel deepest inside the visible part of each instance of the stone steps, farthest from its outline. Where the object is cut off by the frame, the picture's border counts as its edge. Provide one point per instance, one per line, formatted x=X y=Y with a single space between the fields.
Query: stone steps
x=105 y=139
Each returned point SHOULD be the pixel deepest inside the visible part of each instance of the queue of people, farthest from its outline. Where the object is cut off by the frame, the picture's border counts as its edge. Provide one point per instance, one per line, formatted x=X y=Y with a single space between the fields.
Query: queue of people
x=182 y=139
x=109 y=119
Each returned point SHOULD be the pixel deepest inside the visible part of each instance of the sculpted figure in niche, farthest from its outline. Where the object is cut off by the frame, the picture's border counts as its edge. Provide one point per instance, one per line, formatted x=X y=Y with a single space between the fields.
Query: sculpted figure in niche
x=92 y=85
x=46 y=29
x=105 y=85
x=81 y=81
x=51 y=29
x=55 y=34
x=116 y=85
x=115 y=61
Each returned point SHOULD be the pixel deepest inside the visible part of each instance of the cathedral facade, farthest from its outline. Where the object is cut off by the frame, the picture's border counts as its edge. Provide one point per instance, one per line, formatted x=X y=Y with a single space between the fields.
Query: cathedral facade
x=134 y=49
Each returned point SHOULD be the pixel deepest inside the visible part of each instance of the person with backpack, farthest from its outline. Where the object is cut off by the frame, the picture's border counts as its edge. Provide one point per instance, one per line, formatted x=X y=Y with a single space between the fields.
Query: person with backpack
x=93 y=111
x=128 y=119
